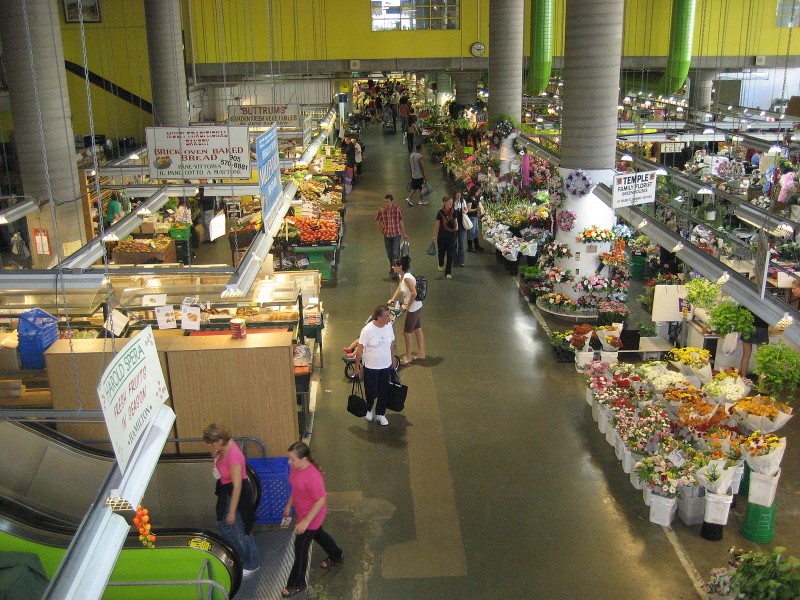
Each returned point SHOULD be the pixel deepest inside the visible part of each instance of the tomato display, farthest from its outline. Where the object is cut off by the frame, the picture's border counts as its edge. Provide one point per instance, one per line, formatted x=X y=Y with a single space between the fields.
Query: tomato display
x=315 y=230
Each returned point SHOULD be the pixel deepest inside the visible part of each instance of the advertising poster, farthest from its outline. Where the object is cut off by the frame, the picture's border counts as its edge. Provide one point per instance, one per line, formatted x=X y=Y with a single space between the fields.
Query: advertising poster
x=202 y=152
x=631 y=189
x=264 y=115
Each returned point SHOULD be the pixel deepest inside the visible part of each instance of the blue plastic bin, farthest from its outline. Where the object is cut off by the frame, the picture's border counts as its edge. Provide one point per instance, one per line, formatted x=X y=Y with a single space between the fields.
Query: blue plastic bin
x=273 y=473
x=37 y=330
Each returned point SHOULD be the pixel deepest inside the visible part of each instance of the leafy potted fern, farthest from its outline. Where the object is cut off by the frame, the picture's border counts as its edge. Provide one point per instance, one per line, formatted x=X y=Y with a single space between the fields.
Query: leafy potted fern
x=778 y=370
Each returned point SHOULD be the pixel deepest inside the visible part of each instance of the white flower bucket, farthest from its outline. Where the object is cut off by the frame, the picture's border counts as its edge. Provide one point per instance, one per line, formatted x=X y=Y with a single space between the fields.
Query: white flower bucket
x=691 y=509
x=589 y=396
x=611 y=432
x=619 y=447
x=763 y=488
x=635 y=481
x=662 y=510
x=646 y=495
x=602 y=422
x=627 y=460
x=610 y=357
x=738 y=473
x=717 y=508
x=582 y=359
x=595 y=411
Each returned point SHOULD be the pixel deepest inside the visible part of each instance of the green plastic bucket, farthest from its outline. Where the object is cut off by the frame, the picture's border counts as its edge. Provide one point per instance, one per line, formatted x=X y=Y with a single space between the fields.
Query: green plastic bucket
x=759 y=523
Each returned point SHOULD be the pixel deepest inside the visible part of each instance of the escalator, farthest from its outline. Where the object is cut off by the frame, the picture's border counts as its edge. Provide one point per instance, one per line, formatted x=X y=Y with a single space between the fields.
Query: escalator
x=48 y=482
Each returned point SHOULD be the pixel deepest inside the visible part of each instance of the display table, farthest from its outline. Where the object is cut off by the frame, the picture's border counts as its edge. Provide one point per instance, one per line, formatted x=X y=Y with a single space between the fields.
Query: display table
x=167 y=255
x=317 y=260
x=652 y=345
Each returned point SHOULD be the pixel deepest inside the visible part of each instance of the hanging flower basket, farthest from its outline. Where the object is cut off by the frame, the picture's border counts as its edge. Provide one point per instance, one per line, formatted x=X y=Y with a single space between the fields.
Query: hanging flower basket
x=578 y=183
x=565 y=220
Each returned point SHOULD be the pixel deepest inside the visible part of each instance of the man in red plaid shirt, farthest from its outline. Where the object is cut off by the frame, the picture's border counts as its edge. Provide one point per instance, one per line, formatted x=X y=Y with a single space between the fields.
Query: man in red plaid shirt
x=390 y=222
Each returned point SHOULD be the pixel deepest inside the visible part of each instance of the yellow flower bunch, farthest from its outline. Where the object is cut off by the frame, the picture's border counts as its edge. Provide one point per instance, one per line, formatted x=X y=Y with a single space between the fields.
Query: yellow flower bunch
x=694 y=357
x=757 y=444
x=761 y=406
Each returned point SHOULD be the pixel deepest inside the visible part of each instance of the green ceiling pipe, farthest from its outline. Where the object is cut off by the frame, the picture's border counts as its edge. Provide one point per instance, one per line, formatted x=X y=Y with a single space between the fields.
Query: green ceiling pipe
x=540 y=60
x=680 y=47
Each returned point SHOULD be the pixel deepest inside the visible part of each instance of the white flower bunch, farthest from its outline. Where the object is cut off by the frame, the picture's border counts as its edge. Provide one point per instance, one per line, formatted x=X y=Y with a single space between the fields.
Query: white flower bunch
x=730 y=389
x=666 y=379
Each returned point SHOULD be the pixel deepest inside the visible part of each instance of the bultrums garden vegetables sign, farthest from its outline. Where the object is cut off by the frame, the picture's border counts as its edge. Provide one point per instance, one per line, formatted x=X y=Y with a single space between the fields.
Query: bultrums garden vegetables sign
x=131 y=390
x=631 y=189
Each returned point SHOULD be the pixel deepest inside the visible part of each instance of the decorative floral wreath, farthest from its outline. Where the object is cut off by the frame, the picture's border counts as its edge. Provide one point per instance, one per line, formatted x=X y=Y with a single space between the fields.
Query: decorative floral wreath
x=565 y=220
x=578 y=183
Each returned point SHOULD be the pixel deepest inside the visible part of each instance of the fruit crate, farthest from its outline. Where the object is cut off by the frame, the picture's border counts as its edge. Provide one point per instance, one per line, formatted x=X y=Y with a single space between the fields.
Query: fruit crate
x=180 y=233
x=273 y=473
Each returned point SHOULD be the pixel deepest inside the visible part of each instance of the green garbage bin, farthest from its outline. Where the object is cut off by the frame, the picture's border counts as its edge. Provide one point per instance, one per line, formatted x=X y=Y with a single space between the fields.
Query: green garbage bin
x=638 y=263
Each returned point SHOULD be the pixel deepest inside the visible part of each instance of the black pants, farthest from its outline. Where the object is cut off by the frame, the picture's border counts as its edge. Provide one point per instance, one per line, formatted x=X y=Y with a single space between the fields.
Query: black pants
x=447 y=249
x=302 y=547
x=376 y=387
x=410 y=140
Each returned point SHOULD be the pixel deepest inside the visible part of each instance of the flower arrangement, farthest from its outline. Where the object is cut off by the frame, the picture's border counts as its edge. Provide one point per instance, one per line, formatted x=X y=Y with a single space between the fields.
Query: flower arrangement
x=640 y=244
x=559 y=275
x=578 y=183
x=595 y=368
x=586 y=302
x=540 y=170
x=645 y=434
x=760 y=444
x=692 y=357
x=622 y=231
x=556 y=250
x=503 y=129
x=761 y=413
x=659 y=474
x=559 y=301
x=581 y=336
x=698 y=414
x=593 y=283
x=565 y=220
x=664 y=380
x=727 y=389
x=614 y=258
x=763 y=202
x=540 y=213
x=594 y=235
x=615 y=309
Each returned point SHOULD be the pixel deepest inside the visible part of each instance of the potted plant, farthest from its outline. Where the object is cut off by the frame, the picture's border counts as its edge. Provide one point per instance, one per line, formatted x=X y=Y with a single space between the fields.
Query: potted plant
x=562 y=350
x=778 y=370
x=708 y=210
x=700 y=292
x=771 y=574
x=612 y=311
x=527 y=277
x=730 y=317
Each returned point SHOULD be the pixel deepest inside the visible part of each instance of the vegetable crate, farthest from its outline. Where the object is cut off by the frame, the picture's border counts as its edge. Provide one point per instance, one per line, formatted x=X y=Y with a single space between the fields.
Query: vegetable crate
x=273 y=473
x=180 y=233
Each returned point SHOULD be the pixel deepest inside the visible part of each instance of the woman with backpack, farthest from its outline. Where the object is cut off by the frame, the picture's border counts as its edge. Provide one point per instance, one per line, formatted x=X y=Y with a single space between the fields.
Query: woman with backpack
x=407 y=289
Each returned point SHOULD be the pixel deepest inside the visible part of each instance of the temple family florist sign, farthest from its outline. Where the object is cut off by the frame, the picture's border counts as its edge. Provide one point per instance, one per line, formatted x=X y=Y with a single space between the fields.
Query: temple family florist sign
x=634 y=188
x=207 y=152
x=131 y=391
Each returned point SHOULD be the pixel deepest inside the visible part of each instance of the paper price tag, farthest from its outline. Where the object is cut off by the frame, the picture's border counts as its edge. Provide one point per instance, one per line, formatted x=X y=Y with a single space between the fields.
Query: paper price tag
x=154 y=300
x=116 y=322
x=190 y=317
x=676 y=458
x=165 y=316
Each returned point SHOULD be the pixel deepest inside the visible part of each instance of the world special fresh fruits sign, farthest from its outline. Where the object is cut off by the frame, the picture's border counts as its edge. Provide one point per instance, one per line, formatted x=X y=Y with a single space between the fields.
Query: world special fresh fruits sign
x=202 y=152
x=131 y=391
x=634 y=188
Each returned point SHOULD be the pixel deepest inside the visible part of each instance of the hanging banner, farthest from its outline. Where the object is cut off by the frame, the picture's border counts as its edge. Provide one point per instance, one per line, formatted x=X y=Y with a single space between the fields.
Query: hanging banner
x=201 y=152
x=41 y=241
x=264 y=115
x=131 y=390
x=269 y=174
x=631 y=189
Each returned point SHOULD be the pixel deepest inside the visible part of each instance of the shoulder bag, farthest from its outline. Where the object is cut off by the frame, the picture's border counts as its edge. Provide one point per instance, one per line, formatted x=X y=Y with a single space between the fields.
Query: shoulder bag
x=396 y=398
x=466 y=222
x=356 y=405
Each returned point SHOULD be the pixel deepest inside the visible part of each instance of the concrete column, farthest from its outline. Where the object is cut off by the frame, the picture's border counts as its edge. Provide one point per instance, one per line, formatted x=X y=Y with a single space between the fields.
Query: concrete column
x=592 y=60
x=701 y=82
x=506 y=25
x=466 y=83
x=167 y=70
x=43 y=134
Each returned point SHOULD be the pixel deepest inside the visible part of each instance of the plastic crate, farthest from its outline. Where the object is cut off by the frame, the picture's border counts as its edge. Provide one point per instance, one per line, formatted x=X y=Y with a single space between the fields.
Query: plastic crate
x=180 y=233
x=35 y=321
x=273 y=473
x=31 y=359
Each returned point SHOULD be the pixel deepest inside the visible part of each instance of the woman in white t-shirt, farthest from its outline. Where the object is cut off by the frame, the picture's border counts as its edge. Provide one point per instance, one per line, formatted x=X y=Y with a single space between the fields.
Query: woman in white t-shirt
x=375 y=357
x=407 y=289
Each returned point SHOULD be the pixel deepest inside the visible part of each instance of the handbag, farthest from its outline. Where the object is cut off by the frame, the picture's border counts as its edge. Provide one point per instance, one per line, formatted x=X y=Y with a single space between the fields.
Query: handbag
x=427 y=190
x=405 y=248
x=356 y=405
x=466 y=222
x=396 y=397
x=432 y=249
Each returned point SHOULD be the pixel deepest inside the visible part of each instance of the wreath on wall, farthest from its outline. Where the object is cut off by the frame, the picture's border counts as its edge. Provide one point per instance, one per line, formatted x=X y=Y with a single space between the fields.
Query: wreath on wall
x=578 y=183
x=565 y=220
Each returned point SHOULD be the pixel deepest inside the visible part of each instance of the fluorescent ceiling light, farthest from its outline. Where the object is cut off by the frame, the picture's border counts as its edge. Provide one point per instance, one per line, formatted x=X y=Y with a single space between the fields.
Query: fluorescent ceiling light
x=677 y=248
x=17 y=211
x=49 y=280
x=661 y=172
x=723 y=278
x=705 y=192
x=626 y=158
x=642 y=224
x=708 y=131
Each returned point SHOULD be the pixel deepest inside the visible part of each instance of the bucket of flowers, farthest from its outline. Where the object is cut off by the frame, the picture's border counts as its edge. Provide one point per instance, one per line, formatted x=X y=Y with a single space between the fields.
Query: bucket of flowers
x=760 y=413
x=691 y=362
x=663 y=478
x=763 y=453
x=727 y=386
x=612 y=311
x=562 y=350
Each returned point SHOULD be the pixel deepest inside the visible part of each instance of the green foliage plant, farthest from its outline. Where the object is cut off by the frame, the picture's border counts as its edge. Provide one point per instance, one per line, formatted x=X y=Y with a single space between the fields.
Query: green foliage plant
x=770 y=575
x=778 y=369
x=702 y=292
x=729 y=317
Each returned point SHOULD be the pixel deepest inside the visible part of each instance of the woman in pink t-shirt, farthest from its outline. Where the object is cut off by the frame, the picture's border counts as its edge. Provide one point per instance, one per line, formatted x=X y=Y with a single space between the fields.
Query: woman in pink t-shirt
x=308 y=496
x=235 y=509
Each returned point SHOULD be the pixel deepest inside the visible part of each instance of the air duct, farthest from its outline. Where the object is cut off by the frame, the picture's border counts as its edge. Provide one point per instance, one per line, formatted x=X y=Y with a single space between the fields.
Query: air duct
x=540 y=61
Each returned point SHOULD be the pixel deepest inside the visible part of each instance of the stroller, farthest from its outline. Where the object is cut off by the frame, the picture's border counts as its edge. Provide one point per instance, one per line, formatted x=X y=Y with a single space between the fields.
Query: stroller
x=389 y=125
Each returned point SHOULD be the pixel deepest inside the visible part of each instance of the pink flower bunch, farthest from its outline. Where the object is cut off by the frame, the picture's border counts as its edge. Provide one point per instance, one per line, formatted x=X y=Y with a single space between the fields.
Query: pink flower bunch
x=596 y=367
x=593 y=283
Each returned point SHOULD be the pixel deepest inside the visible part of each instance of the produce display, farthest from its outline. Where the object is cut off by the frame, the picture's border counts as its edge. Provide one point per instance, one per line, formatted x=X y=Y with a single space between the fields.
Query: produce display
x=131 y=246
x=315 y=230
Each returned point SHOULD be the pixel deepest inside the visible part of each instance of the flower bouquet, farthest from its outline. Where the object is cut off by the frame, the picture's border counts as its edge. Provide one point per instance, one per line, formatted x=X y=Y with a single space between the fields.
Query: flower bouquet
x=609 y=338
x=663 y=380
x=595 y=235
x=763 y=452
x=580 y=338
x=716 y=477
x=578 y=183
x=760 y=413
x=645 y=434
x=612 y=311
x=659 y=474
x=565 y=220
x=556 y=300
x=557 y=250
x=720 y=441
x=593 y=283
x=697 y=414
x=691 y=362
x=727 y=387
x=559 y=275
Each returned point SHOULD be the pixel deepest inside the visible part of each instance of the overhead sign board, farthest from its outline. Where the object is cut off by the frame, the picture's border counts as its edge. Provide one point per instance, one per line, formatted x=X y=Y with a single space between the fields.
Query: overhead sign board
x=269 y=174
x=264 y=115
x=131 y=391
x=671 y=147
x=202 y=152
x=631 y=189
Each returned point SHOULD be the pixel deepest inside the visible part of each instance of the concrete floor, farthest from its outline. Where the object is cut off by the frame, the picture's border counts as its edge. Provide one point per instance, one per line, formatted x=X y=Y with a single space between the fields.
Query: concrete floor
x=494 y=482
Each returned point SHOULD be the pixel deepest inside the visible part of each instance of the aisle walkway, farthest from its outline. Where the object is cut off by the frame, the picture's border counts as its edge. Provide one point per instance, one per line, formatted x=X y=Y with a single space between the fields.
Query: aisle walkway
x=494 y=482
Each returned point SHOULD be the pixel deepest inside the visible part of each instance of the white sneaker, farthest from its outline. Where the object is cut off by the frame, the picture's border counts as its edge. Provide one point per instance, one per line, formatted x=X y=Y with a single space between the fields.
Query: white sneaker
x=448 y=276
x=410 y=203
x=440 y=268
x=423 y=202
x=382 y=420
x=368 y=416
x=248 y=572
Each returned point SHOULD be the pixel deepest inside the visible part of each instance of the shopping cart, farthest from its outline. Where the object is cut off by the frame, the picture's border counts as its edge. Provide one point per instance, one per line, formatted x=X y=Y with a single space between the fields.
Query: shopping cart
x=349 y=360
x=389 y=125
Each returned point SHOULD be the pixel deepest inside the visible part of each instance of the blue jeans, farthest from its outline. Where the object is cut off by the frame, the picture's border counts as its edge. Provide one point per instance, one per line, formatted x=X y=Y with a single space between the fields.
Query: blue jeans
x=392 y=248
x=462 y=246
x=244 y=544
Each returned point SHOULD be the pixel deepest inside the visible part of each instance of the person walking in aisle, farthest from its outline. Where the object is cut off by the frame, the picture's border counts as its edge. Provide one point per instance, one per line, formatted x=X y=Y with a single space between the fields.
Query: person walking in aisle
x=412 y=130
x=390 y=222
x=309 y=498
x=236 y=512
x=376 y=349
x=417 y=169
x=474 y=213
x=208 y=208
x=460 y=207
x=444 y=234
x=407 y=289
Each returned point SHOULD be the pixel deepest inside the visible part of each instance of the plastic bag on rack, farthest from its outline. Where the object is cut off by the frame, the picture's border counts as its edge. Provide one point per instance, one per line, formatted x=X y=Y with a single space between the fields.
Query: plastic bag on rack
x=302 y=355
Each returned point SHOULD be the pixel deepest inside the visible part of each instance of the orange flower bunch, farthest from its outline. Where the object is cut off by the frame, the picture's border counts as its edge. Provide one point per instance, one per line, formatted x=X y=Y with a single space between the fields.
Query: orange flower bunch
x=758 y=444
x=701 y=415
x=684 y=394
x=761 y=406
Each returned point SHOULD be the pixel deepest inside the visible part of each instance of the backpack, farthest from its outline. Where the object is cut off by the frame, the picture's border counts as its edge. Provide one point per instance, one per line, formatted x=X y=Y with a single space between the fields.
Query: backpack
x=422 y=287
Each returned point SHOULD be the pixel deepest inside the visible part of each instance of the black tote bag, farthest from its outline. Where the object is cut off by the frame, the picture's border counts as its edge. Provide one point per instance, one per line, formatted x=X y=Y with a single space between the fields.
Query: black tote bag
x=396 y=398
x=356 y=405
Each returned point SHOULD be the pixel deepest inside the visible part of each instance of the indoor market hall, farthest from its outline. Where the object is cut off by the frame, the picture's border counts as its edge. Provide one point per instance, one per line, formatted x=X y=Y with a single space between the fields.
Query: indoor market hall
x=494 y=481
